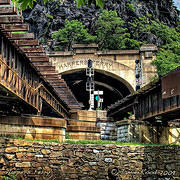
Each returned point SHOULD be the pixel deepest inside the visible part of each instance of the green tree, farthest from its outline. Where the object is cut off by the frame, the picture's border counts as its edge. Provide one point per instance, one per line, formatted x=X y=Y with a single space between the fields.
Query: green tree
x=168 y=58
x=73 y=32
x=111 y=33
x=168 y=35
x=29 y=3
x=138 y=27
x=144 y=25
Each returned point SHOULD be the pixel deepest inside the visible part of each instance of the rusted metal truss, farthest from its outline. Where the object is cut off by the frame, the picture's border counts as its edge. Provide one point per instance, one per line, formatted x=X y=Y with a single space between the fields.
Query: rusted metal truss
x=148 y=102
x=25 y=69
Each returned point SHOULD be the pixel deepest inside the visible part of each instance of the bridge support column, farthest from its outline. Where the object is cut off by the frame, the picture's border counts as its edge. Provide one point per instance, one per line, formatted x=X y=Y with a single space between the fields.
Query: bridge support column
x=169 y=133
x=131 y=131
x=107 y=126
x=148 y=133
x=33 y=127
x=82 y=125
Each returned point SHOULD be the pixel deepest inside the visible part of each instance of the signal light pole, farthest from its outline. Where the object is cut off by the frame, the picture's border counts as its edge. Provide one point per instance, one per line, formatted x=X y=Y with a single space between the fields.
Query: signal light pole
x=90 y=83
x=138 y=71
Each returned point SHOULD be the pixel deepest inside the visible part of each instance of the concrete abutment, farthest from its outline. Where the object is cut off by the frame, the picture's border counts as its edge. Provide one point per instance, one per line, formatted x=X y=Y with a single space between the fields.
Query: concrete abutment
x=90 y=125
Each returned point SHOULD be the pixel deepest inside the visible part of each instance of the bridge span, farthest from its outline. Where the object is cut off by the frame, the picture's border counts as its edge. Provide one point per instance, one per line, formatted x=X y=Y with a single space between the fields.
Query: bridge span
x=29 y=83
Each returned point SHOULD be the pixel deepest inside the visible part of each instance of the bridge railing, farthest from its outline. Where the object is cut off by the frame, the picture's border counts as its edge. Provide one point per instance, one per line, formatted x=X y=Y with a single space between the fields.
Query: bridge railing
x=51 y=100
x=19 y=75
x=21 y=88
x=18 y=86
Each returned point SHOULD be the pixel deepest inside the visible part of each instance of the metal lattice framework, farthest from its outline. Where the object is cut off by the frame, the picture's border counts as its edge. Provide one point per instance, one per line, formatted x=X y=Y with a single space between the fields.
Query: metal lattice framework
x=25 y=70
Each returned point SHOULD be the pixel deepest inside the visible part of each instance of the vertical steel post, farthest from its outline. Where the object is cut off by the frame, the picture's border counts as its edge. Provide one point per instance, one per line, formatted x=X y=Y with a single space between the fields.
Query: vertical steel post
x=90 y=84
x=90 y=102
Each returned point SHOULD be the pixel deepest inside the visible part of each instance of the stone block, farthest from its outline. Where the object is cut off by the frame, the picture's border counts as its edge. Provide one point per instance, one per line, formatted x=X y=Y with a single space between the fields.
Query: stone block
x=10 y=156
x=2 y=161
x=109 y=160
x=95 y=151
x=56 y=154
x=19 y=155
x=79 y=154
x=92 y=163
x=87 y=178
x=124 y=131
x=11 y=150
x=39 y=156
x=45 y=151
x=109 y=124
x=110 y=128
x=23 y=165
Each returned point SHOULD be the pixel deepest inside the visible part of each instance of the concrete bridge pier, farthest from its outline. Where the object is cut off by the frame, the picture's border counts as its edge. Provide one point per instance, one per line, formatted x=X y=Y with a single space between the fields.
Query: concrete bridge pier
x=107 y=126
x=33 y=127
x=91 y=125
x=145 y=132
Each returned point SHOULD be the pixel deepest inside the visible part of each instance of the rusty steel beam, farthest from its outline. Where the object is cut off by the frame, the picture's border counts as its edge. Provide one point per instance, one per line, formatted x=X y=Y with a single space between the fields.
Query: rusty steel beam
x=54 y=77
x=7 y=10
x=39 y=59
x=33 y=50
x=46 y=68
x=27 y=43
x=16 y=27
x=49 y=73
x=42 y=63
x=11 y=19
x=36 y=55
x=50 y=76
x=19 y=36
x=58 y=81
x=171 y=84
x=4 y=2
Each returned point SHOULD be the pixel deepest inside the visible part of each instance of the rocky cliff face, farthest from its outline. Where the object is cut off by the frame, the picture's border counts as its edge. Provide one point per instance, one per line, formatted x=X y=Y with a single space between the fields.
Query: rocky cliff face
x=45 y=19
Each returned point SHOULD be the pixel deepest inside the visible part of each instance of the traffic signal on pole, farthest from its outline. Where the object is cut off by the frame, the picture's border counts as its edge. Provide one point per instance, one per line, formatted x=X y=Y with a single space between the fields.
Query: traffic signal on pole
x=89 y=63
x=90 y=79
x=137 y=61
x=89 y=86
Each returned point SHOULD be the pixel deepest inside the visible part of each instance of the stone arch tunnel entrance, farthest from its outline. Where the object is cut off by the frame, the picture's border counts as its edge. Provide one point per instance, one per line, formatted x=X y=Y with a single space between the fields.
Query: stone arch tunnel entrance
x=114 y=70
x=114 y=87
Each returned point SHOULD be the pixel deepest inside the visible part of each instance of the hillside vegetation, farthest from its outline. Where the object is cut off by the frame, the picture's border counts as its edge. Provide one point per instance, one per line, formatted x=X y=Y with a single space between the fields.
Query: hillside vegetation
x=122 y=24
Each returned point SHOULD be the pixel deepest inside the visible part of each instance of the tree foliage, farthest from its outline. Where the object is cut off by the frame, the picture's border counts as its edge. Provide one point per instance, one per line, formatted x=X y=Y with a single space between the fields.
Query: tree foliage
x=168 y=56
x=29 y=3
x=73 y=32
x=111 y=33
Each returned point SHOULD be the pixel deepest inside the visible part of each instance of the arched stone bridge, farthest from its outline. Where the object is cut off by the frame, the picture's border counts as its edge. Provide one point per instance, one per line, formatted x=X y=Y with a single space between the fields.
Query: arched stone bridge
x=114 y=70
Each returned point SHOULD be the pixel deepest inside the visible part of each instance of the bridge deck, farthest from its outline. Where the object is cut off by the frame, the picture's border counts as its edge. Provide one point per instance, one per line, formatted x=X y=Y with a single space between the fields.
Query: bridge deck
x=148 y=103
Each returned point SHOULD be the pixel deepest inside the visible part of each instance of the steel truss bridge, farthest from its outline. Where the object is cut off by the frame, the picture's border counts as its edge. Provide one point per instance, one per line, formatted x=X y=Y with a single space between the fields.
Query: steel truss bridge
x=29 y=83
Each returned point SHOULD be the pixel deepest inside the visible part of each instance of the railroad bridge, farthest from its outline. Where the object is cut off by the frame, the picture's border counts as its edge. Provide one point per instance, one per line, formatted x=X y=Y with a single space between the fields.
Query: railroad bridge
x=27 y=75
x=30 y=87
x=41 y=96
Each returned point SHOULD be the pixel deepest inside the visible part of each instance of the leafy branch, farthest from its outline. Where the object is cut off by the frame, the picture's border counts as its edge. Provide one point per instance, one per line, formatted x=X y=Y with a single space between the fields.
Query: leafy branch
x=29 y=3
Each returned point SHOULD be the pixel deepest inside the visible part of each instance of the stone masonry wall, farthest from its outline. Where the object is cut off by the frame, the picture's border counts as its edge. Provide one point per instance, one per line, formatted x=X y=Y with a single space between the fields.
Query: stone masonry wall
x=108 y=130
x=39 y=160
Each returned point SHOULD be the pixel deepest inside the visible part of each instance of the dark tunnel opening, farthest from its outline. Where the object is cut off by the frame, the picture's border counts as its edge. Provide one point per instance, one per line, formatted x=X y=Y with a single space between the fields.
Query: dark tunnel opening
x=113 y=88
